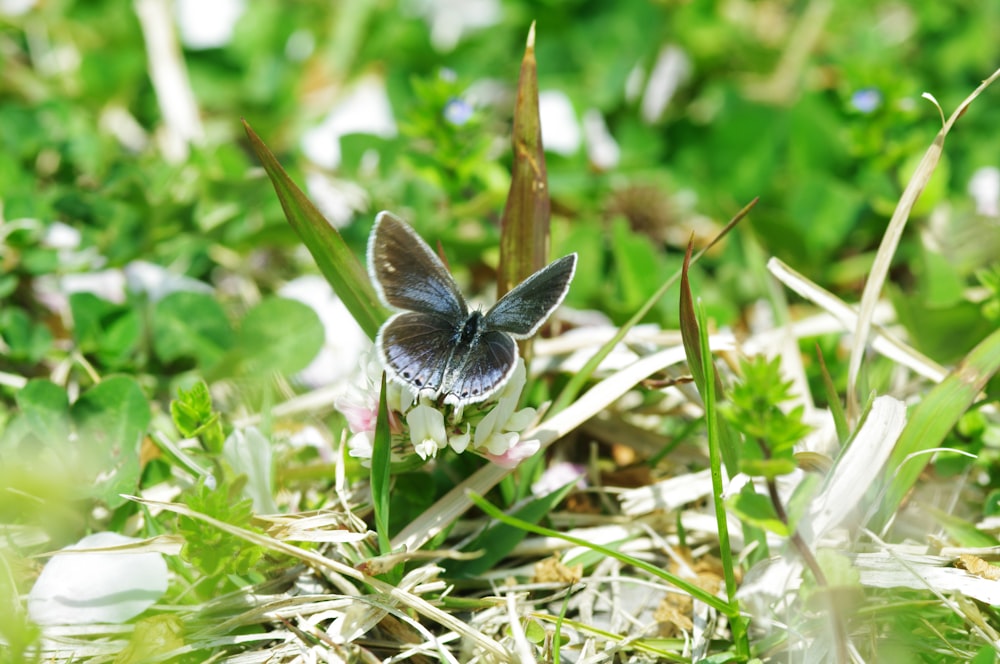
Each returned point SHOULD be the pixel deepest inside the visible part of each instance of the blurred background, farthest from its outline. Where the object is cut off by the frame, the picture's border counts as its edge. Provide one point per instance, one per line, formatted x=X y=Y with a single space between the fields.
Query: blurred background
x=120 y=128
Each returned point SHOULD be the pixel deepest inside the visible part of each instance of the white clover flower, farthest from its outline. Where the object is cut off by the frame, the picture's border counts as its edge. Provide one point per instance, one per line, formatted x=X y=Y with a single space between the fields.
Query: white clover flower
x=361 y=446
x=426 y=430
x=423 y=421
x=499 y=430
x=460 y=441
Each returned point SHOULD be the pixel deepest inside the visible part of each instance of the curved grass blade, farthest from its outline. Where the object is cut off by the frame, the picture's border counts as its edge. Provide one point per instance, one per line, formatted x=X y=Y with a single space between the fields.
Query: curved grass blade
x=890 y=241
x=579 y=379
x=335 y=259
x=933 y=418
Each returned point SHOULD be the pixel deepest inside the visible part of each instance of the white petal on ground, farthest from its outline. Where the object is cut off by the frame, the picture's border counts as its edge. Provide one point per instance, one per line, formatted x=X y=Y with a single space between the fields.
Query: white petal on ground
x=107 y=284
x=15 y=7
x=157 y=281
x=99 y=586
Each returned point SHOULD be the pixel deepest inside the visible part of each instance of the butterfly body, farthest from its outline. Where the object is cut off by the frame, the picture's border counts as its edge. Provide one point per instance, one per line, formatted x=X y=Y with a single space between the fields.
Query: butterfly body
x=435 y=345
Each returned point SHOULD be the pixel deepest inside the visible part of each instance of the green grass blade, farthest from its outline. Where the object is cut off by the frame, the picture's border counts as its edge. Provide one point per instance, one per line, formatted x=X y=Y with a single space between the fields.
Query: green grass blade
x=380 y=472
x=933 y=418
x=498 y=540
x=833 y=399
x=335 y=259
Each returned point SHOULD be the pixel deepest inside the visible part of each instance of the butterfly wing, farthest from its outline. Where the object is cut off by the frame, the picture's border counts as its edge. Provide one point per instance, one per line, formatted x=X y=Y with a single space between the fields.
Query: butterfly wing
x=523 y=310
x=478 y=370
x=407 y=274
x=416 y=349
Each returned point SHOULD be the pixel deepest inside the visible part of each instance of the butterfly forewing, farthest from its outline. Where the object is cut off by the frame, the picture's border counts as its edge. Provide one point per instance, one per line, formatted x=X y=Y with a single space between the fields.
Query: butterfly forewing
x=416 y=348
x=523 y=310
x=408 y=274
x=477 y=371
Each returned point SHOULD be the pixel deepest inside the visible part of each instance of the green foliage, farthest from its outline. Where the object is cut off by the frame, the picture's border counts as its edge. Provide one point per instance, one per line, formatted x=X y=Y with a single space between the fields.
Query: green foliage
x=449 y=141
x=89 y=448
x=278 y=335
x=194 y=417
x=112 y=418
x=28 y=341
x=215 y=553
x=753 y=408
x=190 y=326
x=989 y=278
x=827 y=139
x=108 y=332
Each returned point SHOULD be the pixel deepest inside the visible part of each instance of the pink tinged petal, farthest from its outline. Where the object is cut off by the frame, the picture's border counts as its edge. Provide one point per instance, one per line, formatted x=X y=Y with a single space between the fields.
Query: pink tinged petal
x=558 y=476
x=500 y=443
x=359 y=409
x=516 y=454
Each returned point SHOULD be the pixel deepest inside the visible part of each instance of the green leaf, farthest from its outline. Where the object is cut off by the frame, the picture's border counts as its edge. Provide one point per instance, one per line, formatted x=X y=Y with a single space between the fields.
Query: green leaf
x=26 y=340
x=279 y=335
x=215 y=552
x=690 y=336
x=151 y=637
x=767 y=468
x=194 y=417
x=335 y=259
x=190 y=325
x=833 y=399
x=109 y=331
x=635 y=259
x=45 y=406
x=112 y=418
x=758 y=510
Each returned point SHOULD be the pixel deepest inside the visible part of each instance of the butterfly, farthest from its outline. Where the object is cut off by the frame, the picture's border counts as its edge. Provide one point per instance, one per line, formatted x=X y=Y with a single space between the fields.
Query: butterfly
x=435 y=344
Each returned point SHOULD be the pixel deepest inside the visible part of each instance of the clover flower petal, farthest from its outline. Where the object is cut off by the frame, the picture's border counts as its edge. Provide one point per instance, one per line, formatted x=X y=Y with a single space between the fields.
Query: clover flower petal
x=427 y=431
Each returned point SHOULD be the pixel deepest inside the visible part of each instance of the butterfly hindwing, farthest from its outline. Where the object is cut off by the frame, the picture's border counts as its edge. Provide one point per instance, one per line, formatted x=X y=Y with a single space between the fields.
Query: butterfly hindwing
x=477 y=371
x=416 y=348
x=408 y=274
x=523 y=310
